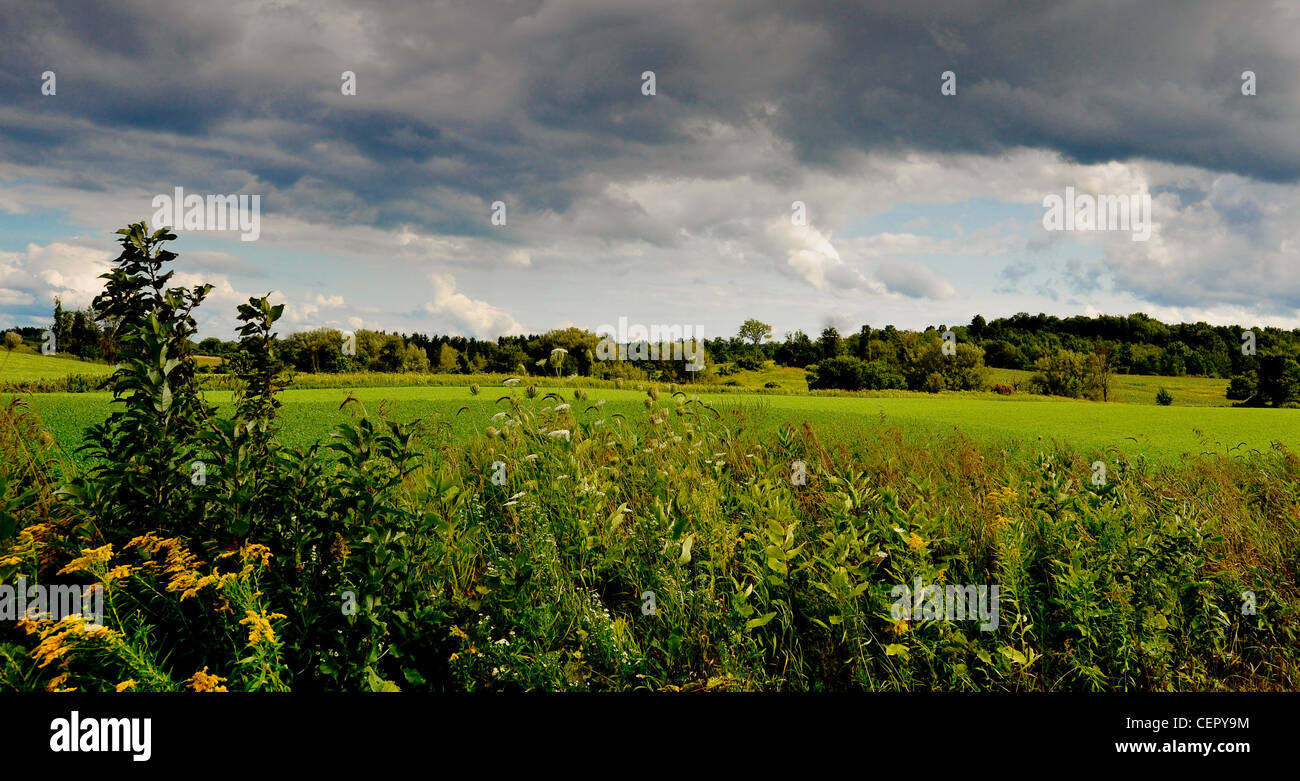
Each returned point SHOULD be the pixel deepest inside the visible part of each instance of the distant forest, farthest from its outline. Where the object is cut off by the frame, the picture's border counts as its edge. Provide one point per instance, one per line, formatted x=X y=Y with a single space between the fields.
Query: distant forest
x=1071 y=356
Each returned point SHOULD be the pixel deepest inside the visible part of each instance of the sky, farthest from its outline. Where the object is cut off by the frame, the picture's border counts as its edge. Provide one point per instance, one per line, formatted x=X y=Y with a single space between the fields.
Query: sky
x=921 y=208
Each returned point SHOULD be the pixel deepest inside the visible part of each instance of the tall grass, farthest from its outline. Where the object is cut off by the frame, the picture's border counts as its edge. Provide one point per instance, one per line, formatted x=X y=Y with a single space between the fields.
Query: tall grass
x=762 y=584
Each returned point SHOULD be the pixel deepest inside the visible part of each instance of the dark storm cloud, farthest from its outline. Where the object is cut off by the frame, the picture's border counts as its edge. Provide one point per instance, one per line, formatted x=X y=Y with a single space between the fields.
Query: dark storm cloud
x=539 y=104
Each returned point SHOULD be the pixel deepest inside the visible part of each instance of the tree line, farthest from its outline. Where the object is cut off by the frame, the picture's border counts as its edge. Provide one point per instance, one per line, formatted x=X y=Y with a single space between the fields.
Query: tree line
x=1072 y=356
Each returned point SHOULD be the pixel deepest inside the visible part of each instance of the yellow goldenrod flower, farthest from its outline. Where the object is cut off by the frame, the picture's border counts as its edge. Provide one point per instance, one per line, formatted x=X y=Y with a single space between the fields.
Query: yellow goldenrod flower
x=89 y=559
x=56 y=684
x=148 y=543
x=340 y=549
x=118 y=572
x=253 y=551
x=202 y=681
x=128 y=684
x=915 y=542
x=259 y=627
x=901 y=626
x=54 y=638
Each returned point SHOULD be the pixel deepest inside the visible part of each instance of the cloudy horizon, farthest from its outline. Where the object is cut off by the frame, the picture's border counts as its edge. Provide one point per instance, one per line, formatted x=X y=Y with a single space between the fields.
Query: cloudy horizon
x=922 y=207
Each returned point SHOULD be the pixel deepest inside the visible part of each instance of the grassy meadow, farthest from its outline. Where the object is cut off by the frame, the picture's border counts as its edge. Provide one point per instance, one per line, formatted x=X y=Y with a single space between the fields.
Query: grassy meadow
x=1019 y=422
x=20 y=366
x=582 y=536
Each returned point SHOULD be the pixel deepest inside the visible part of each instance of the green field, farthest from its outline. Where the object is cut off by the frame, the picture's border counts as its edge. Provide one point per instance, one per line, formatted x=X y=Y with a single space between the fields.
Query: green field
x=24 y=367
x=1139 y=388
x=1163 y=434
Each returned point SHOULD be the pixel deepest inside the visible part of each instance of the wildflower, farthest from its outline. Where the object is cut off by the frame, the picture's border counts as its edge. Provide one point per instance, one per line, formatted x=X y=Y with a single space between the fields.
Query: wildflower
x=915 y=542
x=564 y=432
x=202 y=681
x=116 y=573
x=89 y=558
x=259 y=626
x=128 y=684
x=340 y=549
x=56 y=684
x=561 y=407
x=57 y=638
x=901 y=626
x=190 y=583
x=253 y=551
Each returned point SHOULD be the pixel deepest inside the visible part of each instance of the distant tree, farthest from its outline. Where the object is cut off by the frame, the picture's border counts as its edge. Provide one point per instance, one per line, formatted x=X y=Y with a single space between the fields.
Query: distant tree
x=864 y=343
x=62 y=327
x=448 y=359
x=1163 y=398
x=754 y=331
x=829 y=343
x=508 y=359
x=838 y=373
x=1100 y=367
x=1062 y=374
x=927 y=367
x=797 y=350
x=13 y=341
x=210 y=346
x=1243 y=388
x=1278 y=379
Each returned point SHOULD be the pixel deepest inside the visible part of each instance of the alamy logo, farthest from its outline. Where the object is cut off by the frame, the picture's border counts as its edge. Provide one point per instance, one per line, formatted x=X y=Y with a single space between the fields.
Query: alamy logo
x=636 y=342
x=215 y=213
x=951 y=603
x=1099 y=213
x=39 y=602
x=93 y=735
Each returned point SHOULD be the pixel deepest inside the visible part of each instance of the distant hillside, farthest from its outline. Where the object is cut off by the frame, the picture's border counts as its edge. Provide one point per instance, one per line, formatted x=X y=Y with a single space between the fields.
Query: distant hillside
x=25 y=367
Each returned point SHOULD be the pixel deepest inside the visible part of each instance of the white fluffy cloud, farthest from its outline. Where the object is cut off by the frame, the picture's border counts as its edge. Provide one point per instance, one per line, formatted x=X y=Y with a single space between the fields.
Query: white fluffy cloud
x=479 y=318
x=35 y=276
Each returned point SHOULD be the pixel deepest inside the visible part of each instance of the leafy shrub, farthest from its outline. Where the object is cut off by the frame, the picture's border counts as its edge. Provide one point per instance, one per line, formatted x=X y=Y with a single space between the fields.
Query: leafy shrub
x=1163 y=398
x=926 y=367
x=1242 y=387
x=849 y=373
x=1062 y=374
